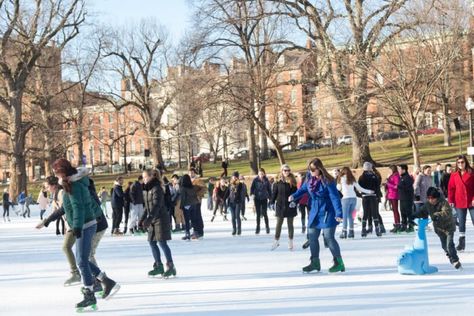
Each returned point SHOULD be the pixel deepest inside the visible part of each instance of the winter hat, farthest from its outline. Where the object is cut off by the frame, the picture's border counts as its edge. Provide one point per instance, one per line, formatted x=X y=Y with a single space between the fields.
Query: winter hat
x=235 y=174
x=367 y=166
x=433 y=192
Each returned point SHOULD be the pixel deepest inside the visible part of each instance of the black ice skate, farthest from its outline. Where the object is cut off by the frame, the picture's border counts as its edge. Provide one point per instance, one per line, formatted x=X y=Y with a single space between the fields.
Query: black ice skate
x=89 y=303
x=110 y=287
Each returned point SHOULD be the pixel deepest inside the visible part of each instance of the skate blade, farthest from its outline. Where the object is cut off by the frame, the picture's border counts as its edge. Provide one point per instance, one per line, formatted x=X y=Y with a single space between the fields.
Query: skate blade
x=158 y=276
x=72 y=284
x=99 y=294
x=115 y=289
x=88 y=309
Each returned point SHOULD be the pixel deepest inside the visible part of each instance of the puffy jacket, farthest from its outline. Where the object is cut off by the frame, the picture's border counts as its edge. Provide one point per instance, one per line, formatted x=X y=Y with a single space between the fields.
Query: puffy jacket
x=188 y=196
x=461 y=189
x=78 y=205
x=260 y=188
x=370 y=181
x=282 y=190
x=118 y=198
x=136 y=193
x=325 y=204
x=392 y=186
x=405 y=188
x=157 y=217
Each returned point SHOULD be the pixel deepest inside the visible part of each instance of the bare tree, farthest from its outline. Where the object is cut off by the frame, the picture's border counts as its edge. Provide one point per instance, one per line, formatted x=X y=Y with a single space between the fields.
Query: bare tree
x=26 y=30
x=138 y=54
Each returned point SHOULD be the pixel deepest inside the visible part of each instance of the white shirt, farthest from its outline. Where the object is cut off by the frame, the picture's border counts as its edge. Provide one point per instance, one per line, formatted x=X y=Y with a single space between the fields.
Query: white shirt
x=348 y=191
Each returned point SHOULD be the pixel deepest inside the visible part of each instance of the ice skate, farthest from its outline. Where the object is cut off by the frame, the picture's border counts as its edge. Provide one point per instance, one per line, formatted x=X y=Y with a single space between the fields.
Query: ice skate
x=315 y=265
x=110 y=287
x=171 y=271
x=158 y=270
x=74 y=279
x=89 y=303
x=275 y=245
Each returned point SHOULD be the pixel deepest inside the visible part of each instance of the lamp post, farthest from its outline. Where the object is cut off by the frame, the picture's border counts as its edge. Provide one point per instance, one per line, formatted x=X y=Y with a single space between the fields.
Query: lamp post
x=470 y=107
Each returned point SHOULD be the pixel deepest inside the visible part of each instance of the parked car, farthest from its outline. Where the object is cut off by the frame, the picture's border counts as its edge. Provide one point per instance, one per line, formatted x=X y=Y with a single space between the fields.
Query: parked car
x=326 y=142
x=388 y=135
x=170 y=163
x=203 y=156
x=306 y=146
x=344 y=140
x=430 y=131
x=239 y=153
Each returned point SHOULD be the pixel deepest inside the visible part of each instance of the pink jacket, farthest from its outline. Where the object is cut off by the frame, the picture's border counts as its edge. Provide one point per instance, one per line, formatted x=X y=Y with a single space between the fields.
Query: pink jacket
x=392 y=186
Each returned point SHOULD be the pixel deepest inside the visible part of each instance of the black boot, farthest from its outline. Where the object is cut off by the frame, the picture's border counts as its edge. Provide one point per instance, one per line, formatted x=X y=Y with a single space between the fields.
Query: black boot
x=351 y=233
x=370 y=229
x=382 y=228
x=109 y=285
x=363 y=233
x=343 y=234
x=462 y=244
x=395 y=229
x=89 y=300
x=378 y=230
x=257 y=230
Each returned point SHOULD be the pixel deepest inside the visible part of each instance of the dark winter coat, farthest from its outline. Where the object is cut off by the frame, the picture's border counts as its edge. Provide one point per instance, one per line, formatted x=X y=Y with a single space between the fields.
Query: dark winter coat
x=461 y=189
x=6 y=199
x=157 y=219
x=234 y=194
x=441 y=214
x=406 y=191
x=136 y=193
x=444 y=183
x=118 y=198
x=325 y=204
x=370 y=181
x=78 y=205
x=220 y=194
x=127 y=198
x=281 y=192
x=261 y=189
x=188 y=197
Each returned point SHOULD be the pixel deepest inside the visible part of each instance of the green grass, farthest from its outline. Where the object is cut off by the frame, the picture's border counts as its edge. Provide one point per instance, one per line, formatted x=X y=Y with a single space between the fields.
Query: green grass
x=385 y=152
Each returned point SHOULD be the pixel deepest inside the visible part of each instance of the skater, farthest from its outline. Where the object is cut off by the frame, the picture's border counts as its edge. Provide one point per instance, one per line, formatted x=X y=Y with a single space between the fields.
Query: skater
x=189 y=203
x=196 y=215
x=283 y=188
x=234 y=201
x=21 y=200
x=325 y=214
x=444 y=223
x=157 y=222
x=43 y=201
x=224 y=165
x=406 y=194
x=461 y=196
x=104 y=196
x=176 y=200
x=219 y=194
x=117 y=200
x=261 y=191
x=302 y=203
x=79 y=209
x=370 y=181
x=136 y=204
x=210 y=190
x=245 y=196
x=445 y=179
x=347 y=184
x=392 y=197
x=422 y=183
x=6 y=205
x=126 y=206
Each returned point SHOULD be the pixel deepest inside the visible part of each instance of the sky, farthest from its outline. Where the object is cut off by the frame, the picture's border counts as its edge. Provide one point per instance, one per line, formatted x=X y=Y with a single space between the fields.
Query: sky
x=173 y=14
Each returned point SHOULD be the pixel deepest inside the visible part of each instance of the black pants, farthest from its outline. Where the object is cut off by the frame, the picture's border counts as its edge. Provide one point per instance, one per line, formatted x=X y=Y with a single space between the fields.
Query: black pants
x=303 y=210
x=6 y=210
x=196 y=220
x=447 y=244
x=242 y=208
x=406 y=211
x=117 y=213
x=222 y=207
x=126 y=211
x=279 y=224
x=261 y=210
x=42 y=213
x=371 y=209
x=60 y=221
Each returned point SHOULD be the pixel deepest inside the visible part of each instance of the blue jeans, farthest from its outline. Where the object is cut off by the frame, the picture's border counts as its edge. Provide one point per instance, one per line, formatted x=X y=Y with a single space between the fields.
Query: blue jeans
x=348 y=205
x=462 y=214
x=236 y=221
x=328 y=235
x=156 y=251
x=83 y=249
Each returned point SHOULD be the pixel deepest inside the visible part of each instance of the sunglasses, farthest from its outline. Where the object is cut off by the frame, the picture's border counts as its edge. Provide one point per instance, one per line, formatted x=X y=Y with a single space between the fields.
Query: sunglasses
x=286 y=170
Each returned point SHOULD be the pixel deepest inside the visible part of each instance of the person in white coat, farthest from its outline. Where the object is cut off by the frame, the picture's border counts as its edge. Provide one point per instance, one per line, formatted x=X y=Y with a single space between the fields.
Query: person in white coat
x=43 y=200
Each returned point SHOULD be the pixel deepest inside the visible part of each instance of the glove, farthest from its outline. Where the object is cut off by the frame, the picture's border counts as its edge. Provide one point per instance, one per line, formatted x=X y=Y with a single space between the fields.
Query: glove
x=77 y=232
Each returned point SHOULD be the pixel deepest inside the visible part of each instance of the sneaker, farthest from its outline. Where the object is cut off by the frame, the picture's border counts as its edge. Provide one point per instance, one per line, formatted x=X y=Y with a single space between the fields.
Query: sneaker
x=275 y=245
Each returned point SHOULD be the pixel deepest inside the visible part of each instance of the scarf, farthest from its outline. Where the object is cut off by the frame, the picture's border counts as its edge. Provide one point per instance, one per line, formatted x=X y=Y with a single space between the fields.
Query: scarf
x=313 y=184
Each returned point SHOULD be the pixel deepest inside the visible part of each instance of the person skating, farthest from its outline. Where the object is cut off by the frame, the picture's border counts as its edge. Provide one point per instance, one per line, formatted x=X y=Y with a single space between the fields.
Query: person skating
x=347 y=184
x=210 y=190
x=422 y=183
x=157 y=222
x=219 y=195
x=283 y=188
x=406 y=194
x=176 y=200
x=461 y=196
x=21 y=200
x=196 y=214
x=444 y=222
x=234 y=201
x=6 y=205
x=117 y=200
x=136 y=204
x=370 y=205
x=445 y=179
x=324 y=215
x=261 y=191
x=43 y=200
x=189 y=203
x=392 y=197
x=81 y=216
x=126 y=206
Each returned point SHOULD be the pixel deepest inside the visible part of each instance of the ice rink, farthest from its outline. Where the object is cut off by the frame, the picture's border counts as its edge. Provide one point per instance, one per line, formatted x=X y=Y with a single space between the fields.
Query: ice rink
x=226 y=275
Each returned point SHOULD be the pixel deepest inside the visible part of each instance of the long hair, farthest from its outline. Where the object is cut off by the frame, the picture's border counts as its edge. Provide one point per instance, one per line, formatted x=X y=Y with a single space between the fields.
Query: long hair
x=155 y=174
x=468 y=167
x=64 y=167
x=185 y=181
x=289 y=179
x=316 y=163
x=346 y=171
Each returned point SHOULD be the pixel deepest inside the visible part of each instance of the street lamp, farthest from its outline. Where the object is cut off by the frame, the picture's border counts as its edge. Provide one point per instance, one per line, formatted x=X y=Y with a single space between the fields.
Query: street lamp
x=470 y=107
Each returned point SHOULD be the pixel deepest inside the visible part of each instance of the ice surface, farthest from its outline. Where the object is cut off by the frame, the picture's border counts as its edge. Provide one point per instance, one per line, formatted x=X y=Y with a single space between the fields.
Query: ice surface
x=226 y=275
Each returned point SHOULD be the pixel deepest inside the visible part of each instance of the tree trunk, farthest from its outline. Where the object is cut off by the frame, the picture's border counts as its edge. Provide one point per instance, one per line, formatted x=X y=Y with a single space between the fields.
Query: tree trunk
x=446 y=126
x=360 y=144
x=263 y=138
x=18 y=178
x=155 y=142
x=125 y=155
x=415 y=149
x=251 y=146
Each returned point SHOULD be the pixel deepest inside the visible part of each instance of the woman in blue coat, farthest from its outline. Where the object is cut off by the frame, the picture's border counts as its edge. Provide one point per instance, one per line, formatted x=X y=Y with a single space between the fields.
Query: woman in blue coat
x=324 y=215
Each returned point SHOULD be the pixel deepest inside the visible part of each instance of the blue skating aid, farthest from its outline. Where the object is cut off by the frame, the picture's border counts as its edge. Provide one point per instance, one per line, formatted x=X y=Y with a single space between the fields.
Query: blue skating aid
x=414 y=260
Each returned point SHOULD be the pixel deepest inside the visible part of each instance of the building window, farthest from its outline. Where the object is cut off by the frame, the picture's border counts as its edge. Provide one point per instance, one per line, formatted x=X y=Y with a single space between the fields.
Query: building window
x=429 y=120
x=314 y=104
x=280 y=78
x=101 y=155
x=101 y=134
x=293 y=96
x=142 y=146
x=279 y=97
x=132 y=146
x=292 y=75
x=369 y=126
x=101 y=119
x=111 y=118
x=111 y=134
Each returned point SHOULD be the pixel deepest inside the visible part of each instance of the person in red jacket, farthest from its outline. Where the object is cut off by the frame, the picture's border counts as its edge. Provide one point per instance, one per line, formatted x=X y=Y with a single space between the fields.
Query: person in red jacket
x=461 y=196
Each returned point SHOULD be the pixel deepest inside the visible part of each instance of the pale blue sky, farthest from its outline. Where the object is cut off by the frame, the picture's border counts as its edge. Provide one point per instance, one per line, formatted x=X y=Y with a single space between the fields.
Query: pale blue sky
x=174 y=14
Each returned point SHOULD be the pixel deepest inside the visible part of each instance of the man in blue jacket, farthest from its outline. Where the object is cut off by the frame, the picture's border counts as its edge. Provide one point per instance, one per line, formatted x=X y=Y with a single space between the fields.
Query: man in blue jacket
x=117 y=201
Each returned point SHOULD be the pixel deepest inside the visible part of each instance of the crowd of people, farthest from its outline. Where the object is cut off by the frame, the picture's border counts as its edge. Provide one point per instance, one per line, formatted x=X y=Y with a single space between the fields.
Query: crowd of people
x=155 y=206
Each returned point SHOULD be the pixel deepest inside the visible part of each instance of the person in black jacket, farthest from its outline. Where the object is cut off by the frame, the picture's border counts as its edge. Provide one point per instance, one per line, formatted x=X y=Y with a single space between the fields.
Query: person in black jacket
x=234 y=202
x=118 y=202
x=443 y=185
x=282 y=189
x=157 y=222
x=6 y=204
x=370 y=181
x=136 y=204
x=261 y=191
x=126 y=205
x=406 y=194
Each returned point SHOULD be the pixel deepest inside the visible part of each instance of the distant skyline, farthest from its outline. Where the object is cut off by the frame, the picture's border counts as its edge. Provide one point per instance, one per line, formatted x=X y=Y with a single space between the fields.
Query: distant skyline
x=175 y=15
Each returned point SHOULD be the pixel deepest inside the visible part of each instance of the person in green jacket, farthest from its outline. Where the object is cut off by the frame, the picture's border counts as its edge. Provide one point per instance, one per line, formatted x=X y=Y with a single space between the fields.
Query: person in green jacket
x=81 y=217
x=443 y=222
